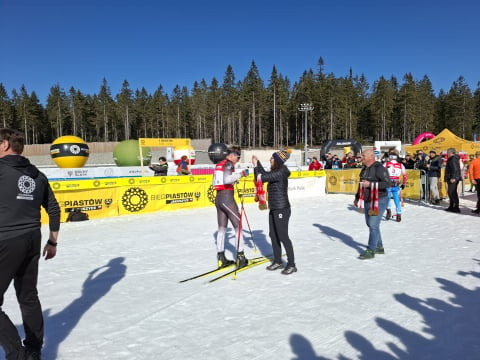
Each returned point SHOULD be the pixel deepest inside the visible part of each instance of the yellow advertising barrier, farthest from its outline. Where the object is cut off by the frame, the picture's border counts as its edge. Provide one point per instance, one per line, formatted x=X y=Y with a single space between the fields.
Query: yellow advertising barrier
x=108 y=197
x=346 y=181
x=342 y=181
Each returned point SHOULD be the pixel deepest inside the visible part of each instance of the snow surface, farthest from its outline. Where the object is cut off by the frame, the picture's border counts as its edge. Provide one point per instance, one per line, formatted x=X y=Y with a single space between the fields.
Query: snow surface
x=113 y=290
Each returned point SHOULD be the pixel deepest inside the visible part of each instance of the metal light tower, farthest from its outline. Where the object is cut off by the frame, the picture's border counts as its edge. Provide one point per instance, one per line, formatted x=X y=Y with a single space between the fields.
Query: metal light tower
x=305 y=107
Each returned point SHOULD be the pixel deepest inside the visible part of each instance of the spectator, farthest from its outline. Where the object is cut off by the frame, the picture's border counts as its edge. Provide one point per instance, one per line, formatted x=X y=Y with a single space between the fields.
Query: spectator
x=160 y=169
x=350 y=161
x=315 y=164
x=182 y=168
x=421 y=161
x=408 y=162
x=434 y=166
x=421 y=164
x=474 y=175
x=359 y=161
x=328 y=161
x=471 y=157
x=452 y=178
x=336 y=163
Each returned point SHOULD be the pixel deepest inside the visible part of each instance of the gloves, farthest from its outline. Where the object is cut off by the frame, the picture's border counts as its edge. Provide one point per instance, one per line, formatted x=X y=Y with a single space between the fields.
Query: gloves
x=402 y=186
x=245 y=172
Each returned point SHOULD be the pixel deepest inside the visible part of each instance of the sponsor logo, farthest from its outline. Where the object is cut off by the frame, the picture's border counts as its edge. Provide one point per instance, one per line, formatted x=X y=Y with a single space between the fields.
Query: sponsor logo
x=84 y=204
x=26 y=186
x=134 y=199
x=175 y=198
x=77 y=173
x=75 y=149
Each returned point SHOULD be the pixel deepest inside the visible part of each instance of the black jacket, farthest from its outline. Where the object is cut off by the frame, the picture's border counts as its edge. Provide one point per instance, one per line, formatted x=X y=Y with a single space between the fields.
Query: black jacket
x=277 y=187
x=374 y=173
x=452 y=169
x=24 y=190
x=159 y=169
x=435 y=166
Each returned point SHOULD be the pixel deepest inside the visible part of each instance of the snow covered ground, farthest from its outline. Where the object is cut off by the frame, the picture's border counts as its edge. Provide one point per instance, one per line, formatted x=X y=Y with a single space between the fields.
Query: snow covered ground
x=113 y=290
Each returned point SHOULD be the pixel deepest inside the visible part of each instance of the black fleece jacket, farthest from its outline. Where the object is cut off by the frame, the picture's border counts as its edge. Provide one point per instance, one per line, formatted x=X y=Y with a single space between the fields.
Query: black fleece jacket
x=24 y=190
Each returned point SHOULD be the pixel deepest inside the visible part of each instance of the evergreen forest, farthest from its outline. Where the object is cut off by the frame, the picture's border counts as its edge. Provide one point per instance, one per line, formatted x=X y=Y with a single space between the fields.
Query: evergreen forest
x=250 y=112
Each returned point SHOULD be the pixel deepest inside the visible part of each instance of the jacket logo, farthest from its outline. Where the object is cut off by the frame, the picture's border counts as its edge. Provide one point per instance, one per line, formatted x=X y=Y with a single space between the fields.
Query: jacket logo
x=26 y=184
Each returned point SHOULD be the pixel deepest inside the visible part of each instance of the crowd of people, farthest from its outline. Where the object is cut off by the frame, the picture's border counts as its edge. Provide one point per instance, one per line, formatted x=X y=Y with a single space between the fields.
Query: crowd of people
x=27 y=190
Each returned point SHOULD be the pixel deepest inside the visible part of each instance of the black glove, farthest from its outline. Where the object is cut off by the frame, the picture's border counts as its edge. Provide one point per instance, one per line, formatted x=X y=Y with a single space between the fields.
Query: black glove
x=402 y=186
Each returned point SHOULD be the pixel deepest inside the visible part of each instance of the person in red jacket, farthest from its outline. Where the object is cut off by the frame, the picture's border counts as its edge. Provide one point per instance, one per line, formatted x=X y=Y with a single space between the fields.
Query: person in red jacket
x=474 y=174
x=315 y=164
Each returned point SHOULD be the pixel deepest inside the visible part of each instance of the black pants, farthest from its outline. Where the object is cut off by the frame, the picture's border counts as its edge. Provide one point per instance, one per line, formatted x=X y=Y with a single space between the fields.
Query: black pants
x=278 y=223
x=19 y=257
x=452 y=189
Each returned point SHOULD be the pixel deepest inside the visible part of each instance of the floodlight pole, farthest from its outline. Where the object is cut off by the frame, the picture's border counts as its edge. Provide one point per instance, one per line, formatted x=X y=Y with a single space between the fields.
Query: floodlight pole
x=305 y=107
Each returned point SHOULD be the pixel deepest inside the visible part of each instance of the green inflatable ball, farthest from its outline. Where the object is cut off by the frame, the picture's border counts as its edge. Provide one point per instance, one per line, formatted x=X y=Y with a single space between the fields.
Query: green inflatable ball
x=127 y=153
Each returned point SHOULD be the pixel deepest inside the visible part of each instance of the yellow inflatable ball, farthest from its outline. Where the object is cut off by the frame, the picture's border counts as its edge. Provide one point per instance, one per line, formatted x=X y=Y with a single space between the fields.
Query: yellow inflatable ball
x=69 y=152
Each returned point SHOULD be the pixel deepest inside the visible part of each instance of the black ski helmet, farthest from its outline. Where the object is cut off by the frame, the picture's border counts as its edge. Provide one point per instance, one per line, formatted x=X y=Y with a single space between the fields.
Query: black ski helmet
x=217 y=152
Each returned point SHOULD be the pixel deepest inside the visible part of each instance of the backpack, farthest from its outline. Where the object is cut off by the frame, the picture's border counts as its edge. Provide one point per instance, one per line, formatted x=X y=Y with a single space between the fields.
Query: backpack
x=77 y=215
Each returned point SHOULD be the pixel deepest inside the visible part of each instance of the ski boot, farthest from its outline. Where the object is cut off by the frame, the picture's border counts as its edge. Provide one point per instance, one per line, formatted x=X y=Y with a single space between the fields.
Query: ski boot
x=242 y=261
x=223 y=261
x=389 y=214
x=399 y=217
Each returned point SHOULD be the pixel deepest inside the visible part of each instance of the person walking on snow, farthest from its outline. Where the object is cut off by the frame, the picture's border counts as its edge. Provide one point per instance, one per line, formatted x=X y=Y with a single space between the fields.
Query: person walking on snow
x=224 y=178
x=25 y=190
x=374 y=181
x=395 y=171
x=279 y=205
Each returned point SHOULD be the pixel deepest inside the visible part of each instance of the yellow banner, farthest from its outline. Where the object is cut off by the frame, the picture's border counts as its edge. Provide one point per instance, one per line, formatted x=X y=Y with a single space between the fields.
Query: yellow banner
x=306 y=173
x=342 y=181
x=164 y=142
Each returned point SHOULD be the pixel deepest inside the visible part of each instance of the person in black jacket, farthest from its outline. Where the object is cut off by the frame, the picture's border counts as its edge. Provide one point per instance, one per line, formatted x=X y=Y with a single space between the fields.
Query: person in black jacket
x=24 y=191
x=279 y=205
x=374 y=178
x=160 y=169
x=452 y=177
x=434 y=166
x=408 y=162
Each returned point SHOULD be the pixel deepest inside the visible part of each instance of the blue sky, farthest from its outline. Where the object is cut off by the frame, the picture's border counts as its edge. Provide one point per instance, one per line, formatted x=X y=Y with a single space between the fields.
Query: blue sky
x=170 y=42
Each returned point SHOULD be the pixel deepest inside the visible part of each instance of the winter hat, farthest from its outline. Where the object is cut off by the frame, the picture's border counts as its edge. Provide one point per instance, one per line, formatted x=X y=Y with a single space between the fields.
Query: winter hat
x=281 y=156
